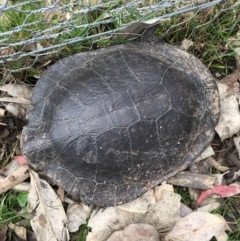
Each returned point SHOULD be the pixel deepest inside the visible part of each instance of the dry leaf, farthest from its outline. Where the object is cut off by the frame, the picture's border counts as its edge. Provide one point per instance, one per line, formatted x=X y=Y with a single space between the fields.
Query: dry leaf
x=2 y=112
x=77 y=214
x=21 y=232
x=61 y=193
x=209 y=207
x=135 y=29
x=19 y=103
x=229 y=122
x=206 y=153
x=186 y=43
x=236 y=141
x=135 y=232
x=232 y=80
x=16 y=109
x=49 y=219
x=161 y=214
x=185 y=210
x=223 y=191
x=200 y=226
x=31 y=47
x=21 y=93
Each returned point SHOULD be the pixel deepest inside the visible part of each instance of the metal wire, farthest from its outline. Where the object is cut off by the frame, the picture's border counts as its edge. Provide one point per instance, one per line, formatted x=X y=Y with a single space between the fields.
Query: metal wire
x=41 y=23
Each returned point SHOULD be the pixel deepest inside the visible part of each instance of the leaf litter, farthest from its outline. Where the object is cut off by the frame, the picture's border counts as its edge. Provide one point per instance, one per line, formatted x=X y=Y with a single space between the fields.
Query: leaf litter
x=50 y=222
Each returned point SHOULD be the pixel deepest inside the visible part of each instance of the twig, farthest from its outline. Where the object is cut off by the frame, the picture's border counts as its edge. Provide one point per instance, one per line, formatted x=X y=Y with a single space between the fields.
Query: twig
x=193 y=180
x=14 y=178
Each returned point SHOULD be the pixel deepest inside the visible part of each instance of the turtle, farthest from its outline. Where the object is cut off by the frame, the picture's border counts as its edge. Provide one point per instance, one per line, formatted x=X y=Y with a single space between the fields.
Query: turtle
x=110 y=124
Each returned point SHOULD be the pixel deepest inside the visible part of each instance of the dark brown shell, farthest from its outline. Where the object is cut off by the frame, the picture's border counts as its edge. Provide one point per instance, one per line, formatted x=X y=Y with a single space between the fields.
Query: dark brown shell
x=108 y=125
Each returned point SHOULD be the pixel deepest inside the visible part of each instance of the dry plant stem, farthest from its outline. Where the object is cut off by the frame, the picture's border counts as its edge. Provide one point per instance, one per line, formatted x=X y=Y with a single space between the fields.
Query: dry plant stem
x=236 y=141
x=22 y=187
x=14 y=179
x=211 y=161
x=193 y=180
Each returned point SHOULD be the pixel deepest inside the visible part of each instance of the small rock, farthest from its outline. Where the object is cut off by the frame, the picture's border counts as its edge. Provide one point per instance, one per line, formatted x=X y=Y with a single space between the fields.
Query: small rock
x=135 y=232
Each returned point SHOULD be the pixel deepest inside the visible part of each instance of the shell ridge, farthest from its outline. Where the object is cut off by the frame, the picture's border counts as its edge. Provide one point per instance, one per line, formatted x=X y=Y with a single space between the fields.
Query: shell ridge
x=105 y=81
x=129 y=66
x=135 y=107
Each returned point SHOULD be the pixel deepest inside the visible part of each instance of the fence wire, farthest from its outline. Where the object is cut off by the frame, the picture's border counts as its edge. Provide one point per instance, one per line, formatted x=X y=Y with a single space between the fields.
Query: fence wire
x=41 y=27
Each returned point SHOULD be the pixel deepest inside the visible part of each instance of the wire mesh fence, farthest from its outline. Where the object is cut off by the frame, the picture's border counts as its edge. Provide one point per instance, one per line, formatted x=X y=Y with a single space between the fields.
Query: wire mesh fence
x=31 y=30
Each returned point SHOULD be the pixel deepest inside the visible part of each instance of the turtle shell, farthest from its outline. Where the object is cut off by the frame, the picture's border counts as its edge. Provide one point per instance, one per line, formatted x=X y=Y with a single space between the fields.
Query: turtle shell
x=109 y=125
